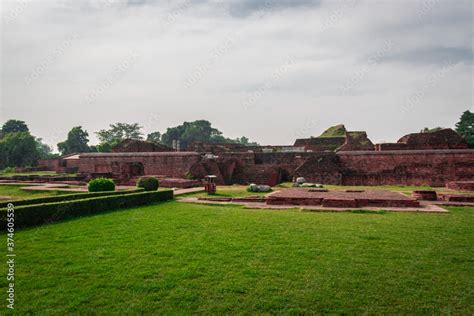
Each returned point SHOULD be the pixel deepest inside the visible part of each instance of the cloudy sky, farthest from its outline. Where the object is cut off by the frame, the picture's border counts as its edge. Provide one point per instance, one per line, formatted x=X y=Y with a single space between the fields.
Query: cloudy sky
x=273 y=70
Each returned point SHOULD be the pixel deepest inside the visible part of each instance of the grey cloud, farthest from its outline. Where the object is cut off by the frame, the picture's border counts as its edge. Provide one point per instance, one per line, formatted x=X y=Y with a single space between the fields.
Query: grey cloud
x=243 y=8
x=435 y=55
x=324 y=61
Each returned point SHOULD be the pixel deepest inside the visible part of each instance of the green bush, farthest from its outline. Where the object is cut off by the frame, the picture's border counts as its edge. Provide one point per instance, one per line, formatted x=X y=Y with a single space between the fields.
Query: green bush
x=8 y=170
x=38 y=214
x=66 y=197
x=101 y=185
x=148 y=183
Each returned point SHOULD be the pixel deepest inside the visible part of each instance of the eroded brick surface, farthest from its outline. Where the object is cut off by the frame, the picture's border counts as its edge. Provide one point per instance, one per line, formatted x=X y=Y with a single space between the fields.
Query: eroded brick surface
x=356 y=199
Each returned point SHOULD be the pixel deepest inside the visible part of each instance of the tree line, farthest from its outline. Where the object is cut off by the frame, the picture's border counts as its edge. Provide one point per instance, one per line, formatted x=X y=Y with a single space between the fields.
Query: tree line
x=18 y=148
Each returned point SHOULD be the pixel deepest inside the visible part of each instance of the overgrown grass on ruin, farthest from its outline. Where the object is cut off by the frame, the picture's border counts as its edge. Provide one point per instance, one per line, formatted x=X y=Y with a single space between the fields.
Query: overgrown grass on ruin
x=187 y=258
x=399 y=188
x=229 y=191
x=16 y=192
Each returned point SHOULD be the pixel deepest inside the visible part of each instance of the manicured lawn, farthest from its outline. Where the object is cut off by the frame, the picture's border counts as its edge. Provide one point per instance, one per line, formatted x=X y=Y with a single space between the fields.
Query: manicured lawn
x=16 y=192
x=34 y=173
x=179 y=258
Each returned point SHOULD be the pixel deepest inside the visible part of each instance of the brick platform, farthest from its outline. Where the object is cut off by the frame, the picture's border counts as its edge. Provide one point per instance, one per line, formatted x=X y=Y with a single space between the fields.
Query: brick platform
x=462 y=198
x=461 y=185
x=356 y=199
x=179 y=183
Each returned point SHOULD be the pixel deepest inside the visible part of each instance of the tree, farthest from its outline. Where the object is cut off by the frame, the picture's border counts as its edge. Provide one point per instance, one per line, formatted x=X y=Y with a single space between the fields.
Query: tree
x=431 y=130
x=465 y=127
x=76 y=142
x=13 y=126
x=196 y=131
x=18 y=150
x=117 y=133
x=44 y=150
x=154 y=137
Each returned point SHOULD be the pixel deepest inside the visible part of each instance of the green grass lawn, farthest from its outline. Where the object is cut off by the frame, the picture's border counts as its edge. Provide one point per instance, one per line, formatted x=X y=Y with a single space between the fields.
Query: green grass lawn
x=16 y=192
x=32 y=173
x=179 y=258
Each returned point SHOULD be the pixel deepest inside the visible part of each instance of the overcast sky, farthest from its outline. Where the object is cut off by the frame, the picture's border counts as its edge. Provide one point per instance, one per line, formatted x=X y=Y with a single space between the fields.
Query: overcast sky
x=272 y=70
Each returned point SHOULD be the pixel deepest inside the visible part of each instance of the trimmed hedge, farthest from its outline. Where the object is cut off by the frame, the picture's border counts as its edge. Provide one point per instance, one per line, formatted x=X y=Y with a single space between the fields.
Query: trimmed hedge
x=38 y=214
x=148 y=183
x=66 y=197
x=101 y=185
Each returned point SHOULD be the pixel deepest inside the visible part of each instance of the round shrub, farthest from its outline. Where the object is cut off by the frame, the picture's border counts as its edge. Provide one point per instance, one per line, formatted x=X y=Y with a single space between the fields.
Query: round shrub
x=101 y=185
x=148 y=183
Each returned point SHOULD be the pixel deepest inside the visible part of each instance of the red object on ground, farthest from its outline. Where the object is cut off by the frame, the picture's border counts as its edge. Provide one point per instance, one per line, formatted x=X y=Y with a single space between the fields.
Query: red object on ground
x=210 y=185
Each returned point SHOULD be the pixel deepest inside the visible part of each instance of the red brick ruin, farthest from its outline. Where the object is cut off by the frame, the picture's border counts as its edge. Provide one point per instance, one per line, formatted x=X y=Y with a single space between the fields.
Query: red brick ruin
x=431 y=158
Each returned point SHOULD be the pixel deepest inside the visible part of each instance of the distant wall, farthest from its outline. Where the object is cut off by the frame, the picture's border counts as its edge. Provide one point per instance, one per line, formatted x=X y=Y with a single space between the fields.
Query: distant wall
x=404 y=167
x=170 y=164
x=422 y=167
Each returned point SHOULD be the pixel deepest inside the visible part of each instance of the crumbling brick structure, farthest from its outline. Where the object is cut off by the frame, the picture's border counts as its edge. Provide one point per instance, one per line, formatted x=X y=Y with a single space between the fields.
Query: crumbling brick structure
x=442 y=139
x=317 y=144
x=431 y=159
x=356 y=141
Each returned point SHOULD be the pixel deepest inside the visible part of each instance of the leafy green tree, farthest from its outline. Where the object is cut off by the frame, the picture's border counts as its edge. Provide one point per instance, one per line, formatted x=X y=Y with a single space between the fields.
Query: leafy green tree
x=465 y=127
x=44 y=150
x=197 y=131
x=76 y=142
x=18 y=150
x=117 y=133
x=13 y=126
x=104 y=148
x=154 y=137
x=245 y=141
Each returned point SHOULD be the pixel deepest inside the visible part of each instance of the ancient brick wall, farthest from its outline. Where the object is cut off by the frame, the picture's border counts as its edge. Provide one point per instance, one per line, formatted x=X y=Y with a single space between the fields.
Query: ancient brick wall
x=171 y=164
x=321 y=168
x=442 y=139
x=357 y=141
x=390 y=146
x=423 y=167
x=320 y=143
x=51 y=164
